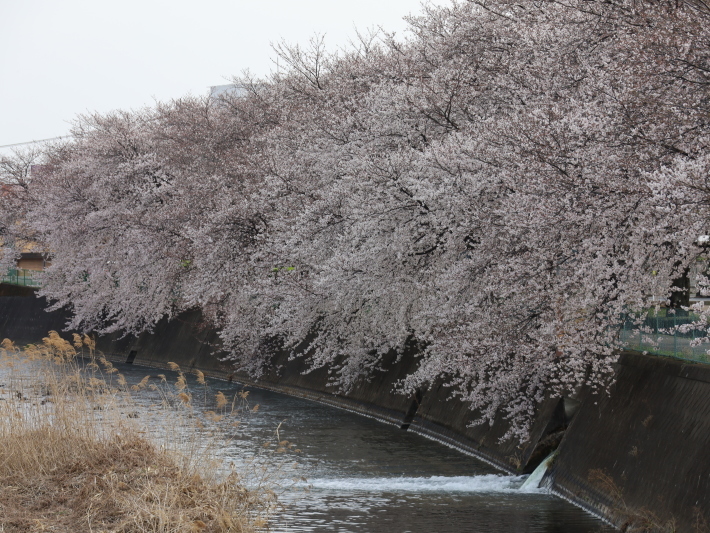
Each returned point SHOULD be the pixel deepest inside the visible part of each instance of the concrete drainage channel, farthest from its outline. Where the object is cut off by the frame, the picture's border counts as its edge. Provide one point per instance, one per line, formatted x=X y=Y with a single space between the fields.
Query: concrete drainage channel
x=639 y=452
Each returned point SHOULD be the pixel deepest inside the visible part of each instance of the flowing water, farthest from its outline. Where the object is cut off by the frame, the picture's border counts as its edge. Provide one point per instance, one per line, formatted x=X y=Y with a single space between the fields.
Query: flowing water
x=365 y=476
x=342 y=472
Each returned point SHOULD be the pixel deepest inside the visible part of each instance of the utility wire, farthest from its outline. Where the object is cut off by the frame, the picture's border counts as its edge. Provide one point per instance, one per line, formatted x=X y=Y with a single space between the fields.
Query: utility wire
x=34 y=142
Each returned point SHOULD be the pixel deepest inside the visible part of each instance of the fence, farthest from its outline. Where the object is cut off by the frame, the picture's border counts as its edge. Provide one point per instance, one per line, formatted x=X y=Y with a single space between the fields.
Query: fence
x=660 y=335
x=23 y=277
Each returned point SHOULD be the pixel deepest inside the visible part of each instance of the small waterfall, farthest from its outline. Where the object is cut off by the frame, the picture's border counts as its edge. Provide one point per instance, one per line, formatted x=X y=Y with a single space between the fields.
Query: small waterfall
x=487 y=483
x=533 y=481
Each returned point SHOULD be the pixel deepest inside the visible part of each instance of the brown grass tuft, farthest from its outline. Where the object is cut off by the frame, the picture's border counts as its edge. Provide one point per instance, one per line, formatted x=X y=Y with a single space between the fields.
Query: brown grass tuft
x=221 y=400
x=72 y=460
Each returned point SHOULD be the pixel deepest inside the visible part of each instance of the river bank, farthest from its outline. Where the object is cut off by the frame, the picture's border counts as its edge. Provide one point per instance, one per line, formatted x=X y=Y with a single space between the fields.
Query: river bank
x=329 y=469
x=81 y=452
x=635 y=457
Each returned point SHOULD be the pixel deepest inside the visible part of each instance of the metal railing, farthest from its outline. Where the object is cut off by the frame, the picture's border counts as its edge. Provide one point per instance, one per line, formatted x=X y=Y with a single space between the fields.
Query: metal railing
x=664 y=335
x=22 y=277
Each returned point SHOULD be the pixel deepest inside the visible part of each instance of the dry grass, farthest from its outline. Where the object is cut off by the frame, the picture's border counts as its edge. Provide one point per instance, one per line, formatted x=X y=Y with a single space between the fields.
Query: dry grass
x=74 y=459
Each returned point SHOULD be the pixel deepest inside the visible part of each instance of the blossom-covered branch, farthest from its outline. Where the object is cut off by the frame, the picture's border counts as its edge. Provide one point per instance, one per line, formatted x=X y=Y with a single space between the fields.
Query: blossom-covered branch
x=498 y=190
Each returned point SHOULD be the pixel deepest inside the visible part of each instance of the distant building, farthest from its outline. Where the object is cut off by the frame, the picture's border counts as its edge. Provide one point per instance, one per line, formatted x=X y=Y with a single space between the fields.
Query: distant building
x=32 y=261
x=232 y=89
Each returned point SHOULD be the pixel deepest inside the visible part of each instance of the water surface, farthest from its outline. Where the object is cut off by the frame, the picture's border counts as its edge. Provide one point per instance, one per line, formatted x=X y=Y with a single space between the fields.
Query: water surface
x=342 y=472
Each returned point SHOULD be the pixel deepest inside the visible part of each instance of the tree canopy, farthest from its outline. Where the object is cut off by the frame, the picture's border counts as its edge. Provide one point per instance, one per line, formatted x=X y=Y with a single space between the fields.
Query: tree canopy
x=497 y=189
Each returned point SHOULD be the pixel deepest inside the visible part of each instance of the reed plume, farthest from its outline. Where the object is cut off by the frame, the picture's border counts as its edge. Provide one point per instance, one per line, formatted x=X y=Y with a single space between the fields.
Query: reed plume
x=74 y=457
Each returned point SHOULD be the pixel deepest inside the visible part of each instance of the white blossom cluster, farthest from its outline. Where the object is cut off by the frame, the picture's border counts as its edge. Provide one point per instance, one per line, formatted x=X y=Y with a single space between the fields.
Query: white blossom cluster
x=493 y=192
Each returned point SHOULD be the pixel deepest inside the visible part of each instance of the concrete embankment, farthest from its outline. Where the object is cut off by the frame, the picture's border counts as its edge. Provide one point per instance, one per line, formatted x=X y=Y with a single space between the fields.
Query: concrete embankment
x=191 y=344
x=640 y=453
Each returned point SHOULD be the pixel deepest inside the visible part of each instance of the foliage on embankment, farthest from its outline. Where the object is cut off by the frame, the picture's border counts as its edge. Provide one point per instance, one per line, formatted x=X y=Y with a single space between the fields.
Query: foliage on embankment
x=497 y=189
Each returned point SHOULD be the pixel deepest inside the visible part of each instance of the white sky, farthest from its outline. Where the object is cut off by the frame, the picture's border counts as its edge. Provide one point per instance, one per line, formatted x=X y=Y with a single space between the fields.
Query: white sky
x=61 y=58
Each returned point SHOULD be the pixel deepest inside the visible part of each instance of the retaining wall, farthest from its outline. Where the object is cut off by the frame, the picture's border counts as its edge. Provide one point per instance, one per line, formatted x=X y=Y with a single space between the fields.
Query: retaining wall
x=191 y=344
x=641 y=454
x=23 y=317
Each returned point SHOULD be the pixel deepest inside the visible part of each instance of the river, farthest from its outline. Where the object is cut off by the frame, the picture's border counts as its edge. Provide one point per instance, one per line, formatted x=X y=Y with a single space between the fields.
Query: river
x=359 y=475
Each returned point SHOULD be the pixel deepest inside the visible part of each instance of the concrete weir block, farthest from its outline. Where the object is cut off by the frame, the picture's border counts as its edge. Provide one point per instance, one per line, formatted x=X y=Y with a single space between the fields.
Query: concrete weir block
x=641 y=454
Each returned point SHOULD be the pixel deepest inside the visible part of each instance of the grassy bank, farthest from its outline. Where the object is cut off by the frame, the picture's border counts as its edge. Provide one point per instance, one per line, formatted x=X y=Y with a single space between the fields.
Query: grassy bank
x=75 y=457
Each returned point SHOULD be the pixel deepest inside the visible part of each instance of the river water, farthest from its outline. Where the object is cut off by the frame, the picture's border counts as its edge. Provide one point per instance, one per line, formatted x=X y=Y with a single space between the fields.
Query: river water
x=355 y=474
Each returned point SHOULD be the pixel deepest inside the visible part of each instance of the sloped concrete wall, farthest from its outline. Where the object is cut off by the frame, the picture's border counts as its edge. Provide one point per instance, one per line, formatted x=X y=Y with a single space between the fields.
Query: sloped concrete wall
x=451 y=421
x=23 y=318
x=641 y=454
x=433 y=413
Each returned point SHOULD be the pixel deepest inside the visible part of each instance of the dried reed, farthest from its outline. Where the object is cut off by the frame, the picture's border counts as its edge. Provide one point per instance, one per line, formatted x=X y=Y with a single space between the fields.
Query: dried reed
x=74 y=458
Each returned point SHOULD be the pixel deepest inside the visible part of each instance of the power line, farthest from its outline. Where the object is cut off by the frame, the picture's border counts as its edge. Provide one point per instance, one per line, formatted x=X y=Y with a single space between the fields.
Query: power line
x=34 y=142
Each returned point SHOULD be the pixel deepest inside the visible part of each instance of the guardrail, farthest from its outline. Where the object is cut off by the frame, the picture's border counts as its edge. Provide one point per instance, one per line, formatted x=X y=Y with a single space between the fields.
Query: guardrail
x=22 y=277
x=664 y=335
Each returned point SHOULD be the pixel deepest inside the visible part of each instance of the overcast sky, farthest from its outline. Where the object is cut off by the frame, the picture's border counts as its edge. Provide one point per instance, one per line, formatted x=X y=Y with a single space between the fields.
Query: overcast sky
x=61 y=58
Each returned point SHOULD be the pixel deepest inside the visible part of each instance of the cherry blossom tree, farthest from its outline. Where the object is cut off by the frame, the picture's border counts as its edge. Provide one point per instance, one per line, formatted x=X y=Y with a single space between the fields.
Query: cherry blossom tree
x=495 y=191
